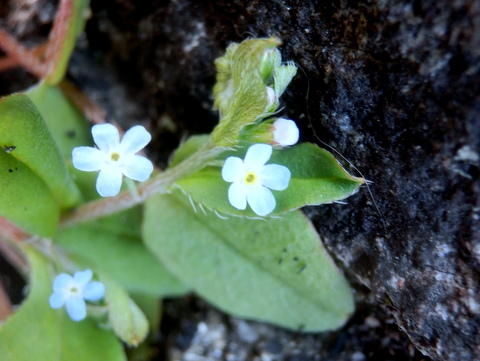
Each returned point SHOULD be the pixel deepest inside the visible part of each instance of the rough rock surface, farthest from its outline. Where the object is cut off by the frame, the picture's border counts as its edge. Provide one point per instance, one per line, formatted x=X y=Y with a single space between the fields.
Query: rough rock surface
x=393 y=87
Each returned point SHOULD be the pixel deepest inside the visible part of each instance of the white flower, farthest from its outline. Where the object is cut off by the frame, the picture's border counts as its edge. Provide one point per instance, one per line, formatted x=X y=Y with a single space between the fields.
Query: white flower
x=285 y=132
x=251 y=179
x=73 y=291
x=114 y=158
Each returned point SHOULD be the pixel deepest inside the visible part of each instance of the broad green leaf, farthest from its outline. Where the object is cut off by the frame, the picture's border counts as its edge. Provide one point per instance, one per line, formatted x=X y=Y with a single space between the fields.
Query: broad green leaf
x=37 y=332
x=25 y=198
x=126 y=318
x=65 y=122
x=113 y=245
x=64 y=40
x=316 y=178
x=276 y=270
x=22 y=127
x=240 y=92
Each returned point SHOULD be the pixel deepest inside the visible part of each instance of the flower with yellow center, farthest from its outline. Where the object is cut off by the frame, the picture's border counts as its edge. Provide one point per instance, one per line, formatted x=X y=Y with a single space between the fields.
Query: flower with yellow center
x=74 y=291
x=252 y=179
x=113 y=158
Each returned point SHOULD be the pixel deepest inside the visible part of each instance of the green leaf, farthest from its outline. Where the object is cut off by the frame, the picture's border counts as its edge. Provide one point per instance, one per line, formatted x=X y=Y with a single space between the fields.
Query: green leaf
x=25 y=198
x=66 y=123
x=110 y=243
x=317 y=178
x=22 y=127
x=75 y=17
x=126 y=318
x=37 y=332
x=240 y=92
x=276 y=270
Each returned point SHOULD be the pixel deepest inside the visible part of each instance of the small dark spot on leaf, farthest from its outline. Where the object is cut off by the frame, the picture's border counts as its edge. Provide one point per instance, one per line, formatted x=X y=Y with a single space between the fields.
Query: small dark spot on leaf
x=284 y=250
x=10 y=170
x=71 y=133
x=9 y=148
x=280 y=261
x=301 y=269
x=295 y=259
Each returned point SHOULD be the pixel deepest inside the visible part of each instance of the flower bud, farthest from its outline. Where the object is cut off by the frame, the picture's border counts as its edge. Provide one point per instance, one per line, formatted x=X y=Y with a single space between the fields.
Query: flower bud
x=285 y=132
x=271 y=60
x=272 y=100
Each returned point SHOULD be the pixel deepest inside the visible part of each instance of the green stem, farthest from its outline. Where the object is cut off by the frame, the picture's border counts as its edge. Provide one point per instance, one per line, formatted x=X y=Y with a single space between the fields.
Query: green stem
x=156 y=185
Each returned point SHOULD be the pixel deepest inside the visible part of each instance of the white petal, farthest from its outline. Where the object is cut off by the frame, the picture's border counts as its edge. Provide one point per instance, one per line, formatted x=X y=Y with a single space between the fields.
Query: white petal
x=76 y=308
x=137 y=168
x=275 y=176
x=94 y=291
x=56 y=300
x=233 y=169
x=88 y=159
x=135 y=139
x=109 y=181
x=237 y=196
x=286 y=132
x=257 y=155
x=271 y=97
x=62 y=281
x=261 y=200
x=105 y=136
x=82 y=277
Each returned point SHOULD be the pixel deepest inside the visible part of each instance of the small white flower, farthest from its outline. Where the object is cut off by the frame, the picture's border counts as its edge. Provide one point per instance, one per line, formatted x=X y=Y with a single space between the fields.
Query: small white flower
x=74 y=291
x=114 y=158
x=251 y=179
x=285 y=132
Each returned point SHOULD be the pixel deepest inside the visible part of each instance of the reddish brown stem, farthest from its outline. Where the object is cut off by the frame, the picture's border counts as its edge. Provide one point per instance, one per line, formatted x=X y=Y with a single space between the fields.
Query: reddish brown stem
x=5 y=305
x=27 y=58
x=91 y=110
x=9 y=234
x=58 y=33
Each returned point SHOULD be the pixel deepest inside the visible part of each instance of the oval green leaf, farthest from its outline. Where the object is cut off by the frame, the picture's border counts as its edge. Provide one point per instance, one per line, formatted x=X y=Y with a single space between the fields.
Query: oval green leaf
x=23 y=130
x=275 y=271
x=126 y=318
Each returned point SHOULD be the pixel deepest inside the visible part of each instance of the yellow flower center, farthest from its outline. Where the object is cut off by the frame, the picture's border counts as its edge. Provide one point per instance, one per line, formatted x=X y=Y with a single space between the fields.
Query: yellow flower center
x=250 y=178
x=74 y=289
x=114 y=157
